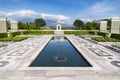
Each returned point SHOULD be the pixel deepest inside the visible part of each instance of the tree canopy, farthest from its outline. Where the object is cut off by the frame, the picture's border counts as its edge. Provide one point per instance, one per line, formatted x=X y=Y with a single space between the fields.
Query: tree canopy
x=92 y=26
x=78 y=23
x=33 y=26
x=22 y=25
x=40 y=22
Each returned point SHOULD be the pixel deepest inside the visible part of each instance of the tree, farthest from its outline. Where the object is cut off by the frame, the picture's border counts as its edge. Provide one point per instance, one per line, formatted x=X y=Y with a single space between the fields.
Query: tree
x=78 y=23
x=8 y=25
x=22 y=25
x=33 y=26
x=89 y=26
x=40 y=22
x=92 y=26
x=95 y=25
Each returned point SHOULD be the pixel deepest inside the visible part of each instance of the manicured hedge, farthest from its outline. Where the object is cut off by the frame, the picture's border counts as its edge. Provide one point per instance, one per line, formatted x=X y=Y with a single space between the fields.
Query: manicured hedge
x=104 y=34
x=2 y=35
x=76 y=32
x=24 y=32
x=13 y=34
x=106 y=39
x=47 y=32
x=93 y=32
x=111 y=39
x=6 y=39
x=37 y=32
x=116 y=36
x=99 y=39
x=20 y=38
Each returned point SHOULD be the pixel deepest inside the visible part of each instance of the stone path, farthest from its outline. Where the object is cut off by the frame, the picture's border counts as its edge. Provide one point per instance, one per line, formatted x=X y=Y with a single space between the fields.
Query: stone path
x=16 y=58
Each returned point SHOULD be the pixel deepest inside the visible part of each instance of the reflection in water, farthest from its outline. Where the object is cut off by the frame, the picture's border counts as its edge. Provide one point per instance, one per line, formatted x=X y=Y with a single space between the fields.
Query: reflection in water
x=59 y=52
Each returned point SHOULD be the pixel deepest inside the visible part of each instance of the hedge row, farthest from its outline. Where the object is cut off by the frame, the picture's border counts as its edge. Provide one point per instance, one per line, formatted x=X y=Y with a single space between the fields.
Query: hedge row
x=106 y=39
x=37 y=32
x=93 y=32
x=20 y=38
x=116 y=36
x=76 y=32
x=13 y=34
x=104 y=34
x=2 y=35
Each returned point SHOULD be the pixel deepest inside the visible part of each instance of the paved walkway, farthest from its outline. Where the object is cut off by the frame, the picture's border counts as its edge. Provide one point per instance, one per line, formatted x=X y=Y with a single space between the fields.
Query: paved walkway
x=16 y=58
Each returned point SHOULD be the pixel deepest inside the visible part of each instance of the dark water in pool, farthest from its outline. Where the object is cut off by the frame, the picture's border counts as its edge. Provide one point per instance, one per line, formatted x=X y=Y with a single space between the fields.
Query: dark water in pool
x=63 y=48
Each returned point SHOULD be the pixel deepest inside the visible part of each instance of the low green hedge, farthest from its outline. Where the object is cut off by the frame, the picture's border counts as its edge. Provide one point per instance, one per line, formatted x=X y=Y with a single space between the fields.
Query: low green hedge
x=47 y=32
x=13 y=34
x=104 y=34
x=2 y=35
x=111 y=39
x=20 y=38
x=99 y=39
x=6 y=39
x=24 y=32
x=93 y=32
x=116 y=36
x=17 y=38
x=76 y=32
x=106 y=39
x=37 y=32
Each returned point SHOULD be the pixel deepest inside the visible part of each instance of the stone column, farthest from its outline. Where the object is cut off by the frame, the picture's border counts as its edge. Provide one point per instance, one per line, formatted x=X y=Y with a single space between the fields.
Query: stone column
x=3 y=25
x=14 y=26
x=115 y=26
x=103 y=26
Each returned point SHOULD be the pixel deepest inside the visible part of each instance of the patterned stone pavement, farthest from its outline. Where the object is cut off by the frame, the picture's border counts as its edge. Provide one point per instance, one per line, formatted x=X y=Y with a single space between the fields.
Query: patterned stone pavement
x=16 y=58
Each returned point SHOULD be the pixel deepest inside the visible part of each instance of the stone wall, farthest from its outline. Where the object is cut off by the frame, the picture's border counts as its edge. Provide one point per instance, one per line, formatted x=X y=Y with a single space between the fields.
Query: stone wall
x=3 y=25
x=103 y=26
x=115 y=26
x=14 y=26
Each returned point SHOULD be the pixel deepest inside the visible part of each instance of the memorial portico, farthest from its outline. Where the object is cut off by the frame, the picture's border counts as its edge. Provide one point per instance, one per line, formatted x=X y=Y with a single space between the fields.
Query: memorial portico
x=58 y=26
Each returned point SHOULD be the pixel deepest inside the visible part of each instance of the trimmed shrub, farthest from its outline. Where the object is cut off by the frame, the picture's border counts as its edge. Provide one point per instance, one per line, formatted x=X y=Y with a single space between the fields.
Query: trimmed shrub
x=47 y=32
x=93 y=32
x=24 y=32
x=76 y=32
x=102 y=34
x=13 y=34
x=20 y=38
x=116 y=36
x=37 y=32
x=6 y=39
x=106 y=39
x=111 y=39
x=99 y=39
x=34 y=32
x=2 y=35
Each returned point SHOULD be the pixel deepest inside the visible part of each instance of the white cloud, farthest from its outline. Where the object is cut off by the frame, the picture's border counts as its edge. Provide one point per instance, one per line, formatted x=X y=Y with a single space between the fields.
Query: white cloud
x=101 y=9
x=21 y=13
x=56 y=17
x=87 y=20
x=31 y=14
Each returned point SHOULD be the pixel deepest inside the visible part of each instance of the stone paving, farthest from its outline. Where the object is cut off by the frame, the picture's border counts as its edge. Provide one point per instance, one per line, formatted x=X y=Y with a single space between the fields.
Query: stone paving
x=16 y=58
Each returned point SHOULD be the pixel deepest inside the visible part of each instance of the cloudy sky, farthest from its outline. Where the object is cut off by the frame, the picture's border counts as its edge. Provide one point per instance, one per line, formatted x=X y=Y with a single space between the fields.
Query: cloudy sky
x=66 y=10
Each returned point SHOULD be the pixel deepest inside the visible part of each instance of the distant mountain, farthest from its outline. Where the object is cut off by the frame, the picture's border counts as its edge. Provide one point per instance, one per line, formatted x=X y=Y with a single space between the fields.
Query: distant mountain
x=53 y=23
